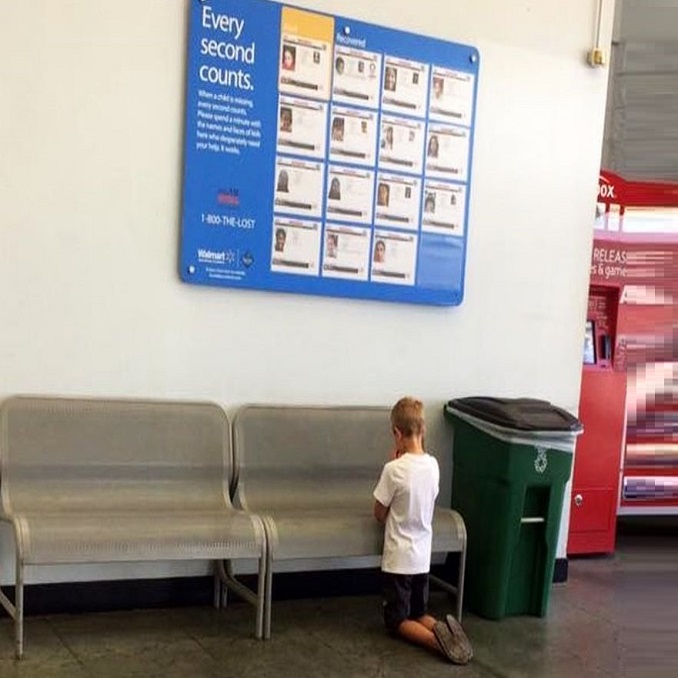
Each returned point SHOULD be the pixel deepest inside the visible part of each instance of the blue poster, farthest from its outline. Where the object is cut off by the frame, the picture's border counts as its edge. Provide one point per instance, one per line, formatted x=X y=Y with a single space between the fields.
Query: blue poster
x=325 y=156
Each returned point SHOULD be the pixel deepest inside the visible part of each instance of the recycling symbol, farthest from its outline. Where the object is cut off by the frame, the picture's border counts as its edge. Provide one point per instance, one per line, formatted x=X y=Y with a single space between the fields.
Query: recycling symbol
x=540 y=461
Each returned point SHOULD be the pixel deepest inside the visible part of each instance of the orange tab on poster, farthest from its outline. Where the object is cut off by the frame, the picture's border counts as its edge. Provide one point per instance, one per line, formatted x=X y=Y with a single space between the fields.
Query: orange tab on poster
x=307 y=25
x=306 y=51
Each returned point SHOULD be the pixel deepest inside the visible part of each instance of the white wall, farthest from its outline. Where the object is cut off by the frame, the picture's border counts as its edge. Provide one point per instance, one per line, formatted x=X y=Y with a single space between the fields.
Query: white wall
x=90 y=188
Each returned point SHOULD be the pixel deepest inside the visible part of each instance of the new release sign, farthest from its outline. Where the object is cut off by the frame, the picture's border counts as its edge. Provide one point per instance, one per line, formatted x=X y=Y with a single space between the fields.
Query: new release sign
x=325 y=156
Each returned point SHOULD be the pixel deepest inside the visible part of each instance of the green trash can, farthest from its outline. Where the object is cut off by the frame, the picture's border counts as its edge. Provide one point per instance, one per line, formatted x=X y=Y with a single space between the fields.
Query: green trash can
x=511 y=461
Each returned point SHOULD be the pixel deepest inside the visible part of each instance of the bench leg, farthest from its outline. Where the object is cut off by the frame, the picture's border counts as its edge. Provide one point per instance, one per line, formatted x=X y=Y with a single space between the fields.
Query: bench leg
x=225 y=569
x=217 y=588
x=460 y=583
x=268 y=590
x=261 y=596
x=457 y=590
x=220 y=588
x=268 y=604
x=16 y=609
x=19 y=609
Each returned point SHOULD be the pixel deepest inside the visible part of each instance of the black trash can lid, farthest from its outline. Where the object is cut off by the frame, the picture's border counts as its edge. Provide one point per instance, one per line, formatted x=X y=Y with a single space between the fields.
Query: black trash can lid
x=520 y=414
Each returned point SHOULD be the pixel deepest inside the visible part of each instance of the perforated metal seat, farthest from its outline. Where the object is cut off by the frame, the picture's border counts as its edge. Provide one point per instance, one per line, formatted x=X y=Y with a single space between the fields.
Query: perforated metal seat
x=104 y=537
x=313 y=470
x=94 y=481
x=331 y=533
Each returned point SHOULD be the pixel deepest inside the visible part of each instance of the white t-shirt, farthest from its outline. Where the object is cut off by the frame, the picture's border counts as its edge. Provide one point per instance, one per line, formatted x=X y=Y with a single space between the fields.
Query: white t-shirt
x=409 y=487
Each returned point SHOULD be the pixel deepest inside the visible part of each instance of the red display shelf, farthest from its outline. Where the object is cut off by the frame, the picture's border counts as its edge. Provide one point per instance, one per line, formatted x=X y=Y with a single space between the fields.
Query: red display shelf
x=634 y=282
x=597 y=462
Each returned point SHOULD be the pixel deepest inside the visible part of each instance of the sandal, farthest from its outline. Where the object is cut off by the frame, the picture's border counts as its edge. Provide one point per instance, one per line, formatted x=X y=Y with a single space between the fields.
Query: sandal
x=448 y=645
x=460 y=638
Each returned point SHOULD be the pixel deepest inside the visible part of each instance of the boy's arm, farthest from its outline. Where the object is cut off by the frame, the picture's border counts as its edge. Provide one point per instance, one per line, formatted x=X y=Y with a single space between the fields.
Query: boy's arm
x=380 y=511
x=383 y=495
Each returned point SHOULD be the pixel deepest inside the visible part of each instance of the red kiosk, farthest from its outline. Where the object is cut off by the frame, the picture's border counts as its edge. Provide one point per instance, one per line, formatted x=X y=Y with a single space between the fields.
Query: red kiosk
x=627 y=459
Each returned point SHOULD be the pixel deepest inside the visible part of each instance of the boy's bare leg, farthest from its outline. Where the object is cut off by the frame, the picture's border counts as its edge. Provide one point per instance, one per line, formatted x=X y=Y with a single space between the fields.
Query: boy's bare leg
x=419 y=633
x=428 y=621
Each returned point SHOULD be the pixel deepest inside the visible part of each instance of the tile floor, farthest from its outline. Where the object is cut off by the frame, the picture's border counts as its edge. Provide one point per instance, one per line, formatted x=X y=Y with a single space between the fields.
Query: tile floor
x=616 y=616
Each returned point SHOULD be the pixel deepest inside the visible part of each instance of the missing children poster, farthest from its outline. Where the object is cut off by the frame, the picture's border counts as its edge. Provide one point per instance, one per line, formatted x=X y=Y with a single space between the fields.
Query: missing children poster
x=325 y=156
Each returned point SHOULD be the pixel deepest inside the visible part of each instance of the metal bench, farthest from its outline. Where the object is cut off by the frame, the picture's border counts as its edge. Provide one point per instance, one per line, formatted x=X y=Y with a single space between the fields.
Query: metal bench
x=312 y=470
x=102 y=481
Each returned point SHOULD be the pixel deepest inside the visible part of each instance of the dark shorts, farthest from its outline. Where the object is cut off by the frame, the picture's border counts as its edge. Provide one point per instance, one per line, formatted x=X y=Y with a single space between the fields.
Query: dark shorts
x=405 y=597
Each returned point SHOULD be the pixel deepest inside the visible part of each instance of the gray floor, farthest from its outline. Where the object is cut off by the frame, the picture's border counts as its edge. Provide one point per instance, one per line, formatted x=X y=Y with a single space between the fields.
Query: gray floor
x=615 y=617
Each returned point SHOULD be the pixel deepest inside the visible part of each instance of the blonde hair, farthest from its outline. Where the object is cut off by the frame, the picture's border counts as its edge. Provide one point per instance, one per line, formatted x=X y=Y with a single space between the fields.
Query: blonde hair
x=407 y=416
